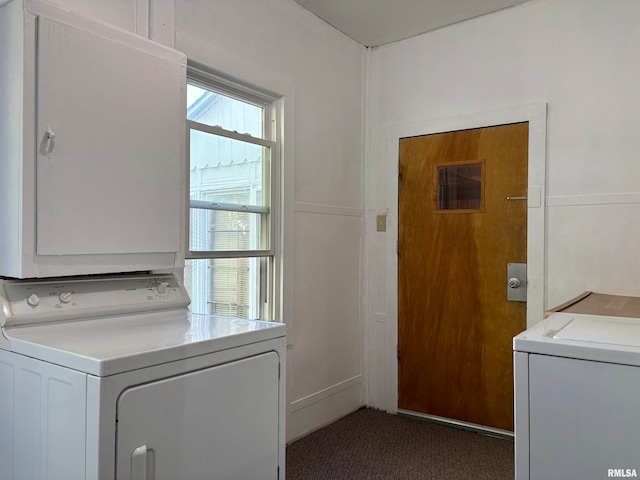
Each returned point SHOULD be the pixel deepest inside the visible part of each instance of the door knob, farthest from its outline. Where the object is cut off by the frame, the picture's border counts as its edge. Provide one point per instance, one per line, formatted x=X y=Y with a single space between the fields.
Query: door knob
x=517 y=282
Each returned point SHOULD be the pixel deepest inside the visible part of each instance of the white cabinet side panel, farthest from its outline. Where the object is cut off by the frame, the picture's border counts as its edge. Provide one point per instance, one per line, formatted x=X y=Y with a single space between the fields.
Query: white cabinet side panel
x=11 y=122
x=7 y=424
x=28 y=418
x=584 y=418
x=217 y=423
x=521 y=415
x=109 y=181
x=46 y=412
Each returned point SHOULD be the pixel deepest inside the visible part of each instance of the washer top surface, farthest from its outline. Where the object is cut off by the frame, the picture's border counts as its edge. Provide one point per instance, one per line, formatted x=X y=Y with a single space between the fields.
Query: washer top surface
x=110 y=345
x=582 y=336
x=611 y=331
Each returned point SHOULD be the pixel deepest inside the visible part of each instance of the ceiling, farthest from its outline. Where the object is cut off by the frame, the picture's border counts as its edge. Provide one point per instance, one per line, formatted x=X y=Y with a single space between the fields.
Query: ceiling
x=378 y=22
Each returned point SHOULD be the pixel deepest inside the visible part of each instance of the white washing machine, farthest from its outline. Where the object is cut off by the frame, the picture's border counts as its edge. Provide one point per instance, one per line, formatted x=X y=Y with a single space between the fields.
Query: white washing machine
x=111 y=377
x=577 y=398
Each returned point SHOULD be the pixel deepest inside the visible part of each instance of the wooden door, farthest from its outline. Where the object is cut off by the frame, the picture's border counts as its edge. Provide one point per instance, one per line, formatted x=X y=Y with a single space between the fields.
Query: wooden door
x=457 y=232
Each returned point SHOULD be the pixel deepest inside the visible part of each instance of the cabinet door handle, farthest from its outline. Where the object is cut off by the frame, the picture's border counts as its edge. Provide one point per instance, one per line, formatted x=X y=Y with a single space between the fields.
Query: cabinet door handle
x=49 y=142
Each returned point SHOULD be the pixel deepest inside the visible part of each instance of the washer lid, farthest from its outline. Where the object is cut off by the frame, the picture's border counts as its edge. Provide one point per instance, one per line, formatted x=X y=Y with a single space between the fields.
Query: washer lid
x=612 y=331
x=586 y=337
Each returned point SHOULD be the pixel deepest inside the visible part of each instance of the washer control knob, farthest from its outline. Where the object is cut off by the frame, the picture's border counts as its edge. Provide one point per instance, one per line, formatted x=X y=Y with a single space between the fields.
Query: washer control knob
x=65 y=297
x=159 y=288
x=33 y=300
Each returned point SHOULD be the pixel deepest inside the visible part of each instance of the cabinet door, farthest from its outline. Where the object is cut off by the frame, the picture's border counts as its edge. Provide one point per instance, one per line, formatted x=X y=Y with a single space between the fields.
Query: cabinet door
x=109 y=123
x=217 y=423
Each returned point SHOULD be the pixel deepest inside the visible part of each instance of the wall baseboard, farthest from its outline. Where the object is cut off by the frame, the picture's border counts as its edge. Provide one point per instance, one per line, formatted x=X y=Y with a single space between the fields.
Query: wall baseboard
x=323 y=394
x=322 y=408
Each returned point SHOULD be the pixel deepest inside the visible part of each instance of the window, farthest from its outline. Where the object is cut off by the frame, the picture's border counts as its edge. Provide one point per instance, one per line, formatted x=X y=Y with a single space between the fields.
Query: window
x=460 y=187
x=232 y=155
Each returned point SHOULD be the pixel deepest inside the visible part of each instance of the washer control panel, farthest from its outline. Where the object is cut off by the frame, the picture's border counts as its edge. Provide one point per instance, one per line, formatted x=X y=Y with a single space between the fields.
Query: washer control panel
x=45 y=300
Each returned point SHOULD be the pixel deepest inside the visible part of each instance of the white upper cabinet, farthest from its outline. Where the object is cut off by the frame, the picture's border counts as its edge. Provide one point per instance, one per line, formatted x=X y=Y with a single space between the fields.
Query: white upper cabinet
x=91 y=146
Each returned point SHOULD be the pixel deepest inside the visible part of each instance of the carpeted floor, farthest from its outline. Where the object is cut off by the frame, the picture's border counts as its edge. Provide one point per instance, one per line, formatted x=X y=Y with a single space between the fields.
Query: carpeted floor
x=370 y=444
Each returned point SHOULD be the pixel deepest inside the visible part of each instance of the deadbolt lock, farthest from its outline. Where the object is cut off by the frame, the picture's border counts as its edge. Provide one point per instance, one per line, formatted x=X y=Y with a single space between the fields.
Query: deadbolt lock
x=514 y=283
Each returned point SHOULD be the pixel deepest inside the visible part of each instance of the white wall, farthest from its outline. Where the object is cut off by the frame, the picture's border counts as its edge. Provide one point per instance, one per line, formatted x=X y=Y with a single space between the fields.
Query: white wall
x=278 y=46
x=579 y=56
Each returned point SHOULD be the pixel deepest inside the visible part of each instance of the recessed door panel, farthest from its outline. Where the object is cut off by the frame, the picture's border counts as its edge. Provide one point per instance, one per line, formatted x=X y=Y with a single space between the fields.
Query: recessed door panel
x=109 y=128
x=217 y=423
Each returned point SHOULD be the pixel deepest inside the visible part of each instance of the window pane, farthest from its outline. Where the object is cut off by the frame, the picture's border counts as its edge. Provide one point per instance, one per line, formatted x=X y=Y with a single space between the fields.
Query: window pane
x=217 y=230
x=224 y=170
x=460 y=187
x=219 y=164
x=210 y=108
x=226 y=287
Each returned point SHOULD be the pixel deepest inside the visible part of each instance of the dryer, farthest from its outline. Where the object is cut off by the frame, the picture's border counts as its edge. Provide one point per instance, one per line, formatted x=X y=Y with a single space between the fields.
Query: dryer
x=577 y=398
x=112 y=377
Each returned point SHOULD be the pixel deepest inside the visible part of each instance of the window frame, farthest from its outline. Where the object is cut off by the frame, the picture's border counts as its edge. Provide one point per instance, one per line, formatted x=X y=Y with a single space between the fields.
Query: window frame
x=467 y=163
x=269 y=252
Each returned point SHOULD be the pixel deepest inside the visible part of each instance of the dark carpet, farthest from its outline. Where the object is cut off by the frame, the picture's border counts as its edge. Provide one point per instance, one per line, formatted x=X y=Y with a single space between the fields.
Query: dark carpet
x=371 y=444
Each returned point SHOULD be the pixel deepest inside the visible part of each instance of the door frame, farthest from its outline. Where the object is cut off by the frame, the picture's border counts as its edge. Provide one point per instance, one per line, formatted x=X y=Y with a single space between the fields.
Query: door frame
x=536 y=115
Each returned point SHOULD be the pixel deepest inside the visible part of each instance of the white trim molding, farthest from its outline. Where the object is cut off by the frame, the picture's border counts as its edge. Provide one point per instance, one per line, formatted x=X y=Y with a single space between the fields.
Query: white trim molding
x=327 y=209
x=594 y=199
x=155 y=19
x=323 y=394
